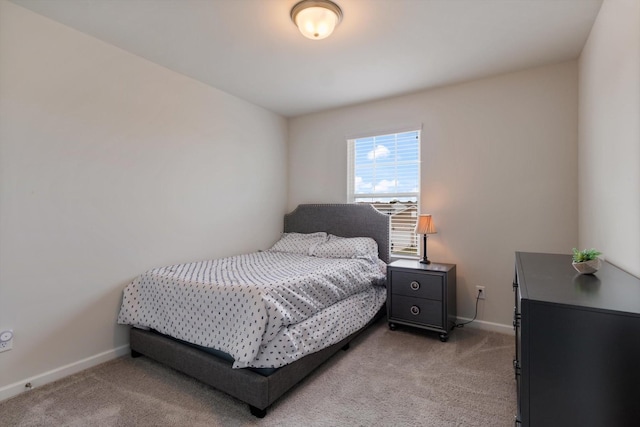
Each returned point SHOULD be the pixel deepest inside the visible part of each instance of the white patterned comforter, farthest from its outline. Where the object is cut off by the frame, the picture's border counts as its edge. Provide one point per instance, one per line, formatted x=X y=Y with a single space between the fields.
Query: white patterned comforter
x=265 y=309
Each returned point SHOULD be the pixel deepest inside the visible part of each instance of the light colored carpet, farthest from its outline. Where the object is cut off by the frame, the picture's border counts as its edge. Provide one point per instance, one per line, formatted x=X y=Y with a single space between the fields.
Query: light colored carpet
x=405 y=377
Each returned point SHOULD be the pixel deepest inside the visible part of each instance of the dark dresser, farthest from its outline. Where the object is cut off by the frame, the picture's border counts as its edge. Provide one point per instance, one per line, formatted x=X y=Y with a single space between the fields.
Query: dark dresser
x=577 y=344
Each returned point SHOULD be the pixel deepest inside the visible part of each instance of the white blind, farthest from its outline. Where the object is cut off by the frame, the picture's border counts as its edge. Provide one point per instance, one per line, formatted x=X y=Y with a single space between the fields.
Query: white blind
x=384 y=171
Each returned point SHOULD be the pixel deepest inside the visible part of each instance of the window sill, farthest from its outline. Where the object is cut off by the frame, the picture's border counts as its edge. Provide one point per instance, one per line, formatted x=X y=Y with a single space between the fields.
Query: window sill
x=397 y=257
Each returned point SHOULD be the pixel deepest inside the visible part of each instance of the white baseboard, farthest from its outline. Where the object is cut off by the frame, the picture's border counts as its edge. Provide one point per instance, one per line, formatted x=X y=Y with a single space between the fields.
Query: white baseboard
x=11 y=390
x=487 y=326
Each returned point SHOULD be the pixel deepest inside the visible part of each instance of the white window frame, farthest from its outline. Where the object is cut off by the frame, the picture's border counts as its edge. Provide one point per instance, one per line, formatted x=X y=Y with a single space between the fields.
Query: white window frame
x=403 y=241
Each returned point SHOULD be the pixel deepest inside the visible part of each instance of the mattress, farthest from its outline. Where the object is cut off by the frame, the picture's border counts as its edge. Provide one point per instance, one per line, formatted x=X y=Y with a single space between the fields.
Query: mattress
x=264 y=309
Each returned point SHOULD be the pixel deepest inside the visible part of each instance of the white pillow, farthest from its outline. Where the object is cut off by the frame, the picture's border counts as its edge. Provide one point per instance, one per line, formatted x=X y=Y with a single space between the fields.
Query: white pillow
x=299 y=243
x=347 y=247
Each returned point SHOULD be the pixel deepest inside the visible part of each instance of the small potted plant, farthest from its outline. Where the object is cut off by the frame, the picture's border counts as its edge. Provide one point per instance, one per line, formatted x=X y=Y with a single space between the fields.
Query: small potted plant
x=586 y=261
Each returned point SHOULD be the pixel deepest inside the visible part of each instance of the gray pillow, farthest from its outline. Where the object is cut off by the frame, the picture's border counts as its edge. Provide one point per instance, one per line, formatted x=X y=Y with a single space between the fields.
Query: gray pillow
x=299 y=243
x=347 y=247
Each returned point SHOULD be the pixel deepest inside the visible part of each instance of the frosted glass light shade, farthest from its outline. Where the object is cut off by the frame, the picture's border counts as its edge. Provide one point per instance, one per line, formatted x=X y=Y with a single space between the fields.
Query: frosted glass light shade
x=316 y=19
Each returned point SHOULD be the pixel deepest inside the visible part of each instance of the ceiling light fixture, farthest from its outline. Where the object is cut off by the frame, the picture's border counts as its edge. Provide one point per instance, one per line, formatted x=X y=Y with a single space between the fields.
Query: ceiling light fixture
x=316 y=19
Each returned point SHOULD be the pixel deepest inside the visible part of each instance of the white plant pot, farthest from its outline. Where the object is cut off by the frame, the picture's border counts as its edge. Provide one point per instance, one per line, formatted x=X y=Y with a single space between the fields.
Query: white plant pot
x=587 y=267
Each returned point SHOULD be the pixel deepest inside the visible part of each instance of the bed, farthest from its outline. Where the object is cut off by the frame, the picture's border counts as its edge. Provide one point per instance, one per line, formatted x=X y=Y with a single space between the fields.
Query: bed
x=252 y=384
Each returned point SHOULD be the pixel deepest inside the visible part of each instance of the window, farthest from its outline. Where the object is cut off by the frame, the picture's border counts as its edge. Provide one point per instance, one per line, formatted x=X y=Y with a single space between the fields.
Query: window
x=384 y=171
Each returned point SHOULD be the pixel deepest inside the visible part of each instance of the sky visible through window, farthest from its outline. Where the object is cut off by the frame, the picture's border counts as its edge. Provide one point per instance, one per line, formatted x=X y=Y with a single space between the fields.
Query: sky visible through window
x=387 y=164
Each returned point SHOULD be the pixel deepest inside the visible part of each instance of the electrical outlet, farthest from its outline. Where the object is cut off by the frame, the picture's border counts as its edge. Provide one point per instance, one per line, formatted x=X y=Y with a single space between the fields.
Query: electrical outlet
x=6 y=340
x=480 y=292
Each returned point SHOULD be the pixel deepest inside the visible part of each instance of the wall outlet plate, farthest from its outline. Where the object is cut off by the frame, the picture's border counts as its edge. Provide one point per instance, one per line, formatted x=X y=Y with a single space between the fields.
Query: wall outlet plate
x=6 y=340
x=480 y=289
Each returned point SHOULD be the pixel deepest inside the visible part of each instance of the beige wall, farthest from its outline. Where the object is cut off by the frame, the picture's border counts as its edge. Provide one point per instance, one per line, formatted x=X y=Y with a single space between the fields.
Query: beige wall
x=609 y=148
x=499 y=171
x=111 y=165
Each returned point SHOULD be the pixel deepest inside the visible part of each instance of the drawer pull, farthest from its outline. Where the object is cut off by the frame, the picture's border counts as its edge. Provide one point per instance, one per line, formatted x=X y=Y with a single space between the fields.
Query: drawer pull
x=516 y=367
x=415 y=285
x=415 y=310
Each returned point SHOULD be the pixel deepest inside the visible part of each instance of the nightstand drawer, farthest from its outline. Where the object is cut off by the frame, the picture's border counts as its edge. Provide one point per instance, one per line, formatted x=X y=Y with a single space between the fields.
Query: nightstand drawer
x=418 y=310
x=417 y=285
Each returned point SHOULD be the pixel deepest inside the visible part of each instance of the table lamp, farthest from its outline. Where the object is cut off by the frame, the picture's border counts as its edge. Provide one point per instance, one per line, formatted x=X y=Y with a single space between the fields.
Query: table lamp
x=425 y=226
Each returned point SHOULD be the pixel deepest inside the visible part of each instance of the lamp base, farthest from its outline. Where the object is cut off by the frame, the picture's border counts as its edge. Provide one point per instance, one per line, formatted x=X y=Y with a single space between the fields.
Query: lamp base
x=424 y=259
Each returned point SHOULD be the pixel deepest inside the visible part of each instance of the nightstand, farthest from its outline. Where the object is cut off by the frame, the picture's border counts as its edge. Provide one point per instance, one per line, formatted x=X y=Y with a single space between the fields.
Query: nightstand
x=422 y=296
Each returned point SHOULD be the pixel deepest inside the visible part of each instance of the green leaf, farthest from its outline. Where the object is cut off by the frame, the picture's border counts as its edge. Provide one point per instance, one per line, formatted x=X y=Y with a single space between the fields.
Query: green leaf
x=585 y=255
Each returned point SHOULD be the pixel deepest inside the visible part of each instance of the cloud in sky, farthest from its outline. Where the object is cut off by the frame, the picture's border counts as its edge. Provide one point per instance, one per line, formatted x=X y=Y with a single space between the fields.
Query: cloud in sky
x=362 y=187
x=383 y=186
x=386 y=185
x=380 y=152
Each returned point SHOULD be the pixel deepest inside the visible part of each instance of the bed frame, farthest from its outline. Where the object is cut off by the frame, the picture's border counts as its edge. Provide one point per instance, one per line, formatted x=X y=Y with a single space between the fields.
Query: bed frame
x=258 y=390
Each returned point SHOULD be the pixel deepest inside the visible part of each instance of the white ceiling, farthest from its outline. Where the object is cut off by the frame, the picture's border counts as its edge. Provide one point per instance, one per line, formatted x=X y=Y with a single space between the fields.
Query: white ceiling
x=382 y=48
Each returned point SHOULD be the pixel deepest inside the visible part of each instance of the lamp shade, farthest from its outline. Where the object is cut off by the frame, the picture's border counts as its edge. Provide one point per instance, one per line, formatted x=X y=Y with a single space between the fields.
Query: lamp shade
x=316 y=19
x=425 y=225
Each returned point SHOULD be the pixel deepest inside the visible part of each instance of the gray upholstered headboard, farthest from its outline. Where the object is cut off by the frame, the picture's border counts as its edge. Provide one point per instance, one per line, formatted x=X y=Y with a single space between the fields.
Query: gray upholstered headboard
x=345 y=220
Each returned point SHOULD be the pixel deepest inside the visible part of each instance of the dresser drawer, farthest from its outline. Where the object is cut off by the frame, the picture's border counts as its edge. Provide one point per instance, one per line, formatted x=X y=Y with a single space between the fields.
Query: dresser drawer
x=418 y=310
x=417 y=285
